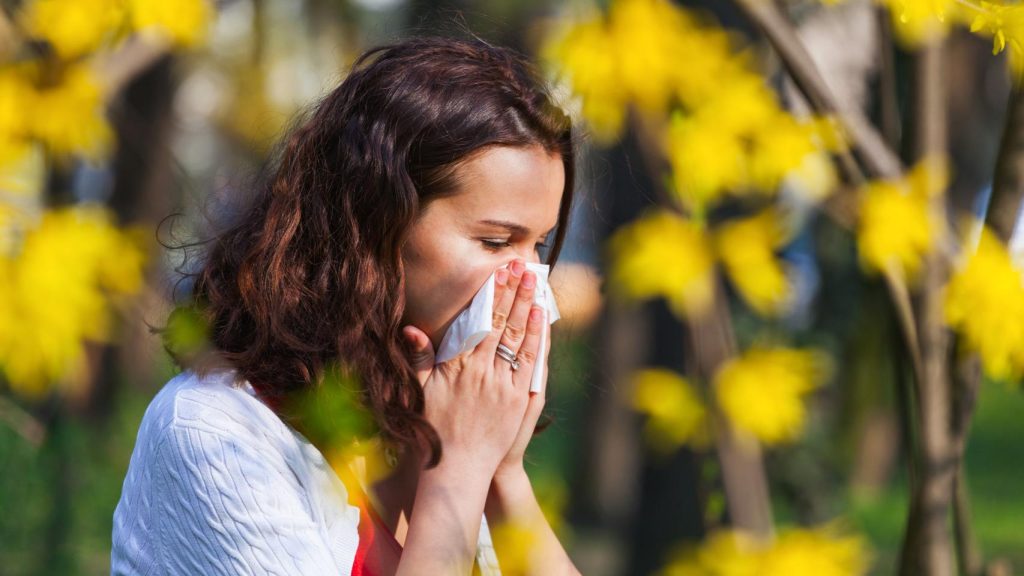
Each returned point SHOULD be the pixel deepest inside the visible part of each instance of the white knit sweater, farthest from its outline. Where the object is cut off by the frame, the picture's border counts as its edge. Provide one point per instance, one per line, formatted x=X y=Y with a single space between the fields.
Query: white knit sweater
x=218 y=484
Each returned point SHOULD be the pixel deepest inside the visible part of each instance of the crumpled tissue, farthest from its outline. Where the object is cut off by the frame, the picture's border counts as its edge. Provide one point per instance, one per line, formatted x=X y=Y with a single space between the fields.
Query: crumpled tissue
x=474 y=323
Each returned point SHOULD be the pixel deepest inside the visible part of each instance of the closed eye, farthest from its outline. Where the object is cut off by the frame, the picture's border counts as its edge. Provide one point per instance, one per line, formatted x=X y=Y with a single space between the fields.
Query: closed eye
x=495 y=245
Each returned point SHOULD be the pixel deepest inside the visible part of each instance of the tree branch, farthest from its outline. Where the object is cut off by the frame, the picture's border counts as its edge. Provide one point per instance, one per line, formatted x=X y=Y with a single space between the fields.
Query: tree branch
x=880 y=161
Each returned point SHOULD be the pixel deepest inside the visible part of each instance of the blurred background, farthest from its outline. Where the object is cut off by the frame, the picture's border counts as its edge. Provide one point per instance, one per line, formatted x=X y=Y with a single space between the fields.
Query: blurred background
x=785 y=330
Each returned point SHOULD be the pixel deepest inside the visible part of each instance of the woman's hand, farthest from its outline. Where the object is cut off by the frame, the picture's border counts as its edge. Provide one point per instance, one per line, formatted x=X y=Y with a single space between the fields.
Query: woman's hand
x=512 y=464
x=476 y=402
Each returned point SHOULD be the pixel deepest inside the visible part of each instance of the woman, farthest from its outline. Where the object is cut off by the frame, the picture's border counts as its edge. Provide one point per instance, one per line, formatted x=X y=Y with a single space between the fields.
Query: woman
x=434 y=164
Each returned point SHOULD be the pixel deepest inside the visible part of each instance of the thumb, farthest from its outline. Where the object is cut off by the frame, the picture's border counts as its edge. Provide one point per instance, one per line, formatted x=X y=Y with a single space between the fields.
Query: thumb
x=420 y=351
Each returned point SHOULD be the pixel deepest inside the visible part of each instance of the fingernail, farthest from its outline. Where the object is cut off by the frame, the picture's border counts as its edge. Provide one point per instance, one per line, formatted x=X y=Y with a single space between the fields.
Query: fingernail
x=501 y=277
x=528 y=280
x=517 y=268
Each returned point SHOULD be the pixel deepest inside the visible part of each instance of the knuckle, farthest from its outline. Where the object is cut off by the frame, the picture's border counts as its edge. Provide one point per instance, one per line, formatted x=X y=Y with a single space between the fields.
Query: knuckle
x=529 y=356
x=515 y=333
x=499 y=319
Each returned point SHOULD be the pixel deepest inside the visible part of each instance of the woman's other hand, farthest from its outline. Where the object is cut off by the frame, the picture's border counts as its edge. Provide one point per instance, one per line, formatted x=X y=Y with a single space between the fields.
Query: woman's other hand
x=481 y=408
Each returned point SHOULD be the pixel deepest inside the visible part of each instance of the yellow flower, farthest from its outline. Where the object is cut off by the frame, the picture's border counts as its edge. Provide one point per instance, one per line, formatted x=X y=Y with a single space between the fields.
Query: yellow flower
x=183 y=22
x=919 y=21
x=984 y=303
x=663 y=254
x=747 y=249
x=723 y=553
x=707 y=160
x=762 y=392
x=645 y=34
x=675 y=412
x=897 y=224
x=74 y=27
x=781 y=147
x=58 y=292
x=584 y=52
x=514 y=543
x=822 y=551
x=69 y=116
x=1004 y=23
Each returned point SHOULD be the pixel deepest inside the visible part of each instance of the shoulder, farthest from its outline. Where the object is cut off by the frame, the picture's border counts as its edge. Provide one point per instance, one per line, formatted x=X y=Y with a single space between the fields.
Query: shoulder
x=217 y=403
x=215 y=473
x=210 y=431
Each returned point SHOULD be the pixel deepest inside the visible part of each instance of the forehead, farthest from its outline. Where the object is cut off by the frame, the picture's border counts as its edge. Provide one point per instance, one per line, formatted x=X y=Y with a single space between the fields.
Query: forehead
x=523 y=185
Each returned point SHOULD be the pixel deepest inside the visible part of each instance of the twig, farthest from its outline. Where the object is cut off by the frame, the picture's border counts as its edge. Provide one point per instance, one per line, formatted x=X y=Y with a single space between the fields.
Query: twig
x=880 y=161
x=890 y=114
x=134 y=56
x=22 y=422
x=743 y=475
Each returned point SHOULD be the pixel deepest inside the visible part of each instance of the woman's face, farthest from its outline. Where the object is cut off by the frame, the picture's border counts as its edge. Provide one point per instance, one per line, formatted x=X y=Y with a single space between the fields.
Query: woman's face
x=506 y=204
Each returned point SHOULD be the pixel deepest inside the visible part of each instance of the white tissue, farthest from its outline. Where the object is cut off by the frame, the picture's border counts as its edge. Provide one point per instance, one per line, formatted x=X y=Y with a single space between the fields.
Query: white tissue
x=474 y=323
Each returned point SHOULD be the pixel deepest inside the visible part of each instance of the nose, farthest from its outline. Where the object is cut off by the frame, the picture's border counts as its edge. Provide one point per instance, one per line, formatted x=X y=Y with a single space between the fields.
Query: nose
x=528 y=256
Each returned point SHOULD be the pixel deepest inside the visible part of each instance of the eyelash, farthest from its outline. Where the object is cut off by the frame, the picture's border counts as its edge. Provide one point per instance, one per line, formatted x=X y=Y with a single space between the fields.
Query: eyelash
x=496 y=245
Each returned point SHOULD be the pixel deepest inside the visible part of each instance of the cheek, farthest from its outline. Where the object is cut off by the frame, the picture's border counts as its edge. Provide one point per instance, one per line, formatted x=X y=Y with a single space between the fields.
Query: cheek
x=440 y=283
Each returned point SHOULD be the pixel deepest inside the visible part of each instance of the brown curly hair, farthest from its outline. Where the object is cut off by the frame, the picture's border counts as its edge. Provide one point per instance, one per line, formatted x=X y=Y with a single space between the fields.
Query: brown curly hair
x=310 y=275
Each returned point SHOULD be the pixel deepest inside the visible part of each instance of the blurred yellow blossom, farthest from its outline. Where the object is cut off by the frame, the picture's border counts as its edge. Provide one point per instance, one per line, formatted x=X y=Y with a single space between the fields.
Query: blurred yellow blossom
x=183 y=22
x=783 y=146
x=663 y=254
x=644 y=37
x=69 y=116
x=58 y=291
x=727 y=134
x=74 y=27
x=919 y=21
x=822 y=551
x=742 y=141
x=984 y=303
x=1003 y=23
x=818 y=552
x=706 y=160
x=897 y=224
x=723 y=553
x=584 y=51
x=762 y=391
x=675 y=412
x=631 y=55
x=514 y=543
x=747 y=249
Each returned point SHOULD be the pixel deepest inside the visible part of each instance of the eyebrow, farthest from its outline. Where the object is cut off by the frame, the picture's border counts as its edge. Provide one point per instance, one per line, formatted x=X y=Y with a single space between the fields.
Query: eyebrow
x=514 y=227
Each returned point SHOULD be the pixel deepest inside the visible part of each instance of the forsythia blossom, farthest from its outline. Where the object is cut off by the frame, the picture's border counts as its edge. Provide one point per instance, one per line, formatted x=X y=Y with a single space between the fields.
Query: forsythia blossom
x=675 y=412
x=898 y=227
x=822 y=551
x=727 y=135
x=664 y=254
x=747 y=249
x=57 y=291
x=984 y=302
x=762 y=391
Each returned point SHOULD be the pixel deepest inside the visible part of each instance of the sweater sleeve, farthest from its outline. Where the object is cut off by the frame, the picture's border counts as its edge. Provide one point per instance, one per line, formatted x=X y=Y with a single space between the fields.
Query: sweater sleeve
x=226 y=507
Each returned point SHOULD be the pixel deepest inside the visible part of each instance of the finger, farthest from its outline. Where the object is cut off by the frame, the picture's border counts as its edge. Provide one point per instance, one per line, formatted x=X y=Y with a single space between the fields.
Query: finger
x=502 y=306
x=515 y=331
x=420 y=352
x=529 y=351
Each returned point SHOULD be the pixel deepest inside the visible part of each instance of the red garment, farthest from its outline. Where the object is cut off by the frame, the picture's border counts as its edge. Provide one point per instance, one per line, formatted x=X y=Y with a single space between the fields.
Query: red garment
x=375 y=556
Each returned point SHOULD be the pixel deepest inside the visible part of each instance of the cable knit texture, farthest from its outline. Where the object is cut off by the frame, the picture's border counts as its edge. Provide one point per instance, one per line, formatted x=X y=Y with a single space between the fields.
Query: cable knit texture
x=218 y=484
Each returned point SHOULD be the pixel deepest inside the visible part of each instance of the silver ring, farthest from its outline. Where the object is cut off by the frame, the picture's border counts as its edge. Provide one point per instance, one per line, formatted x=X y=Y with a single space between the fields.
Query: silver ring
x=506 y=353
